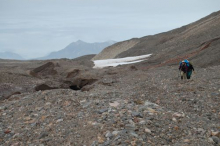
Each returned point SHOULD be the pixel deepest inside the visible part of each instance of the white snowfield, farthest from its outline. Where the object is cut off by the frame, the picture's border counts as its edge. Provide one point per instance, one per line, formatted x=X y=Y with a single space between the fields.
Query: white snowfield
x=120 y=61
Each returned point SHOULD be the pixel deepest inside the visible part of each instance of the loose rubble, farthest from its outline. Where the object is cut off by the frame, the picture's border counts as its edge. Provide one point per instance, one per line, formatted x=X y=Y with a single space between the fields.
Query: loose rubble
x=139 y=107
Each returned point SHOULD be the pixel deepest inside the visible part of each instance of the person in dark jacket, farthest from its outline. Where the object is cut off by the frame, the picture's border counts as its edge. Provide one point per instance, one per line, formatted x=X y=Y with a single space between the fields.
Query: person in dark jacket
x=183 y=68
x=189 y=71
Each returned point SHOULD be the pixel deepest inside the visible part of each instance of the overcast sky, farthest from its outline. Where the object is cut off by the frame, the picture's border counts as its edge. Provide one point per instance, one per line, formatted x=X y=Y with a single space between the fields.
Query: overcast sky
x=34 y=28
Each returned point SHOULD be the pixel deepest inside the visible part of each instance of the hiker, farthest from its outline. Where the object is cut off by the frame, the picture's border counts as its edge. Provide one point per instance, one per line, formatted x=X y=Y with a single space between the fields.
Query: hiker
x=189 y=71
x=183 y=68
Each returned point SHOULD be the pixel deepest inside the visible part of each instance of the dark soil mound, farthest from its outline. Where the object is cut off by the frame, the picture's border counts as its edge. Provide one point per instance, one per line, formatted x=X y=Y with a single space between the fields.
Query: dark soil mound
x=44 y=70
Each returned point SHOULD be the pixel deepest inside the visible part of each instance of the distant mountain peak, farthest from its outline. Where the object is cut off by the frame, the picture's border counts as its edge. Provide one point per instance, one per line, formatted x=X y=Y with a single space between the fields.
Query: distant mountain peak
x=80 y=41
x=77 y=49
x=10 y=55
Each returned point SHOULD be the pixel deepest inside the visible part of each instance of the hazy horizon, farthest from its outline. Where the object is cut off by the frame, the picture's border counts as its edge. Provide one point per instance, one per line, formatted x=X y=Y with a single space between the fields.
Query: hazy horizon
x=35 y=28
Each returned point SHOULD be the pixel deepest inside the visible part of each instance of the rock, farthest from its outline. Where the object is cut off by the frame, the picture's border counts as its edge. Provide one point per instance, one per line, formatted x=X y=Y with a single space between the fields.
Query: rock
x=157 y=124
x=147 y=130
x=176 y=128
x=174 y=119
x=80 y=82
x=94 y=143
x=130 y=127
x=7 y=131
x=107 y=82
x=43 y=134
x=86 y=104
x=133 y=134
x=186 y=140
x=215 y=133
x=137 y=114
x=59 y=120
x=107 y=143
x=211 y=140
x=150 y=104
x=80 y=114
x=136 y=120
x=133 y=68
x=102 y=110
x=151 y=111
x=115 y=132
x=142 y=122
x=139 y=102
x=215 y=139
x=200 y=131
x=16 y=144
x=178 y=115
x=101 y=140
x=114 y=104
x=109 y=135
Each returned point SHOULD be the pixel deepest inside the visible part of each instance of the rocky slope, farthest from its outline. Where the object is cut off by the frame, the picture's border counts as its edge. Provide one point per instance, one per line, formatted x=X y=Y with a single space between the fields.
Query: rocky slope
x=196 y=41
x=126 y=105
x=114 y=50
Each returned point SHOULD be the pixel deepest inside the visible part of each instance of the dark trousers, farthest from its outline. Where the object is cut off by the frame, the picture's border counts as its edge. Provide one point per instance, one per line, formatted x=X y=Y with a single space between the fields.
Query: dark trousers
x=188 y=74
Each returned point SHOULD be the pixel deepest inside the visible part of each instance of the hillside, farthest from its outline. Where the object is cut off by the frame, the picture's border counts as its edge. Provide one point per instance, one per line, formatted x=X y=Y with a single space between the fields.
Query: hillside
x=196 y=41
x=77 y=49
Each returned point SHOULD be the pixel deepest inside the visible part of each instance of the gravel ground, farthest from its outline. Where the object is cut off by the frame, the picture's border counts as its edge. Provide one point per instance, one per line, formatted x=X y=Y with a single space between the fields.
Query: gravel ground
x=126 y=106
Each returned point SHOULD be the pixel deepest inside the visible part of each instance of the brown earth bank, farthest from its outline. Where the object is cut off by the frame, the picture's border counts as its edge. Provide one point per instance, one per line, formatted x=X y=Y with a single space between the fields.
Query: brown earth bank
x=126 y=105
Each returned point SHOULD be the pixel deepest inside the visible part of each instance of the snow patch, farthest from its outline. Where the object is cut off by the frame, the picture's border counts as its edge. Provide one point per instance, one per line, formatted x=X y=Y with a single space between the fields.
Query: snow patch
x=120 y=61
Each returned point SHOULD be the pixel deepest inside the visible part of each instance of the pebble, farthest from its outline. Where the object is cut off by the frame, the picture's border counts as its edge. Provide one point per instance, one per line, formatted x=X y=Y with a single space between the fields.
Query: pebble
x=186 y=140
x=115 y=132
x=137 y=114
x=215 y=139
x=174 y=119
x=130 y=127
x=133 y=134
x=142 y=122
x=147 y=130
x=102 y=110
x=114 y=104
x=59 y=120
x=109 y=135
x=215 y=133
x=43 y=134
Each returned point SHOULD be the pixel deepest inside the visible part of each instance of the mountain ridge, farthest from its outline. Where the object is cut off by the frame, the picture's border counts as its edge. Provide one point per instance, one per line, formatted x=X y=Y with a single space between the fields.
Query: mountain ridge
x=77 y=49
x=10 y=55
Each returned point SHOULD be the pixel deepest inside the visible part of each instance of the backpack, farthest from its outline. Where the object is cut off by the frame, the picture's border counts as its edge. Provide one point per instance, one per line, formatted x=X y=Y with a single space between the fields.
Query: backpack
x=187 y=63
